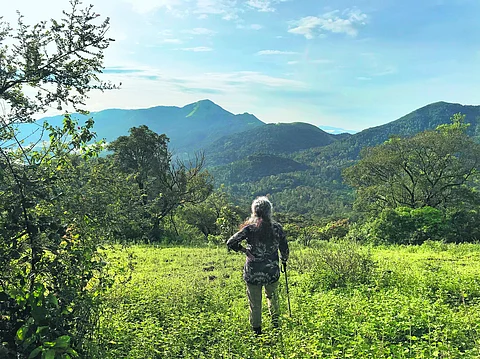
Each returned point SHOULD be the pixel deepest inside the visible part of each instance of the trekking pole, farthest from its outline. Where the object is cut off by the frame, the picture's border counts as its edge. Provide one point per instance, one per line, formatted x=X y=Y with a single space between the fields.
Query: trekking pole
x=284 y=266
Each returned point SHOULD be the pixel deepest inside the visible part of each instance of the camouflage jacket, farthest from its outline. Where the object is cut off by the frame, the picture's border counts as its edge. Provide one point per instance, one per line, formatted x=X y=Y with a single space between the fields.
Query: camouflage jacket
x=264 y=247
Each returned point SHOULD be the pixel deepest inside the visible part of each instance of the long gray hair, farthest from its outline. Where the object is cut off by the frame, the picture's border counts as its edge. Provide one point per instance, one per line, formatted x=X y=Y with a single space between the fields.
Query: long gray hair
x=261 y=212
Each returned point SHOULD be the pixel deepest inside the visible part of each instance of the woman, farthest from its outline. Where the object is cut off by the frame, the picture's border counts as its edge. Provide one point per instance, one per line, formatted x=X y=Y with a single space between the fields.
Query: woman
x=264 y=239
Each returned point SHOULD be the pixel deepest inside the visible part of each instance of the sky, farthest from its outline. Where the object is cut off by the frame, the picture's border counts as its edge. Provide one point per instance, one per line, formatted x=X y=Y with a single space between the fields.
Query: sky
x=352 y=64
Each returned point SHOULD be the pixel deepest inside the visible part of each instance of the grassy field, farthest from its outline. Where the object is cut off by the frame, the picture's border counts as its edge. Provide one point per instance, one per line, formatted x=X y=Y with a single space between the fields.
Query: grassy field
x=347 y=301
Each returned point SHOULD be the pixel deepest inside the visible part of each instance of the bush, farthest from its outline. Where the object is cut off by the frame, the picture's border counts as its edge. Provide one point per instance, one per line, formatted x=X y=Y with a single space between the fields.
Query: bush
x=404 y=225
x=342 y=264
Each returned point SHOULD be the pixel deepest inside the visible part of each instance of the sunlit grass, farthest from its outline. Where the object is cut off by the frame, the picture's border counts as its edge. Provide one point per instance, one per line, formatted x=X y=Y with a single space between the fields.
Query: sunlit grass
x=187 y=302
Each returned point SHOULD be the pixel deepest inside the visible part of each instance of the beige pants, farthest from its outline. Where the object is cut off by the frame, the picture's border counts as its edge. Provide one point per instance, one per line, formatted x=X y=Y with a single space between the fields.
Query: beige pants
x=254 y=293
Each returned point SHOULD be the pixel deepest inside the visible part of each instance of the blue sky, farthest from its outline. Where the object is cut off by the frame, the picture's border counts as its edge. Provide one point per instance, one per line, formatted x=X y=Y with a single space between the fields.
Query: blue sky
x=346 y=63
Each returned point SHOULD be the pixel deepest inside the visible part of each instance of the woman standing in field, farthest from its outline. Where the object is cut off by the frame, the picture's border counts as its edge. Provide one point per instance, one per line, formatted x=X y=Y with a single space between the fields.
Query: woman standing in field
x=264 y=239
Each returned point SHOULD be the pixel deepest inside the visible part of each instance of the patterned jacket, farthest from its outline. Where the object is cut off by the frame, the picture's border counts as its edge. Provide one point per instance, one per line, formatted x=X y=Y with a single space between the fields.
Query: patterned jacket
x=264 y=247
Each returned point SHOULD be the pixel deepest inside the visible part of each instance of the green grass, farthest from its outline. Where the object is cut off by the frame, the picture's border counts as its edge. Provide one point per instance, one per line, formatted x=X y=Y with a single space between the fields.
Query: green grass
x=402 y=302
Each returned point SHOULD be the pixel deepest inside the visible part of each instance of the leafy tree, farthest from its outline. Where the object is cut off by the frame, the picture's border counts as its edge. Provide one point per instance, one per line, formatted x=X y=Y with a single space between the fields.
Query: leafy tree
x=164 y=184
x=52 y=63
x=433 y=168
x=52 y=272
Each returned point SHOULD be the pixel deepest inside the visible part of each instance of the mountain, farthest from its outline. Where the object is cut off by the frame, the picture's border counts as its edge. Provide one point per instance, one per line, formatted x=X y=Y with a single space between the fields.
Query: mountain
x=336 y=130
x=425 y=118
x=318 y=190
x=189 y=128
x=280 y=138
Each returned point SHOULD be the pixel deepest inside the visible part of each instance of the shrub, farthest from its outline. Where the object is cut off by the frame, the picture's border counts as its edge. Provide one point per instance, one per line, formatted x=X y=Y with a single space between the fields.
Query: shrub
x=342 y=264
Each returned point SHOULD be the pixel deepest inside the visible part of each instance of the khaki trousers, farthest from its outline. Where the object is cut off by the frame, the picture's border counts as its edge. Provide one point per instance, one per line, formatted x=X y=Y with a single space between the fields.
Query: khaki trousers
x=254 y=293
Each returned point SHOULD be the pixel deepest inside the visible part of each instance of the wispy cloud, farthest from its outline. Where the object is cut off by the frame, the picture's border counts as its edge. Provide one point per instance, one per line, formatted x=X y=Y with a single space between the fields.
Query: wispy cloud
x=251 y=27
x=225 y=8
x=217 y=81
x=145 y=6
x=318 y=61
x=261 y=5
x=346 y=22
x=276 y=52
x=197 y=49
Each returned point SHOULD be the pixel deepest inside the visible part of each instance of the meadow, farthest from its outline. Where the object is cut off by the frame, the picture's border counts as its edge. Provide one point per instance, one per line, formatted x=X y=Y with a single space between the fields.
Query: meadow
x=347 y=301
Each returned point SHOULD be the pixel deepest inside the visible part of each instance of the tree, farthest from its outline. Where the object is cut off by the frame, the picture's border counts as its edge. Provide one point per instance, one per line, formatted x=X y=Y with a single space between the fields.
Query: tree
x=52 y=272
x=433 y=168
x=51 y=64
x=164 y=184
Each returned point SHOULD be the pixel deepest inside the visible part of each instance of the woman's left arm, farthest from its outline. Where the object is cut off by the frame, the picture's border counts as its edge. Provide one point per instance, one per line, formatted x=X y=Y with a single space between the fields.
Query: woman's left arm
x=234 y=241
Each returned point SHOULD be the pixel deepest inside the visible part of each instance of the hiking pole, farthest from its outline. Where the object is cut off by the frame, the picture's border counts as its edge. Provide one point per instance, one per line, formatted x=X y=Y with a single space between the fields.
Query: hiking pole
x=284 y=265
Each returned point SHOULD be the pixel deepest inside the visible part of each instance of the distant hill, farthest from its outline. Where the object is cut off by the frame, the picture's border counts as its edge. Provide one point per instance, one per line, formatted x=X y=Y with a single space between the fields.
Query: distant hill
x=425 y=118
x=319 y=190
x=254 y=167
x=280 y=138
x=336 y=130
x=189 y=128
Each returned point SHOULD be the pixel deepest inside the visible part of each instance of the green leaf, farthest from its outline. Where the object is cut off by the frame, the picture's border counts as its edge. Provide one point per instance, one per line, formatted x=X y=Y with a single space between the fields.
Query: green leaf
x=62 y=342
x=49 y=354
x=21 y=333
x=52 y=299
x=35 y=352
x=73 y=353
x=41 y=329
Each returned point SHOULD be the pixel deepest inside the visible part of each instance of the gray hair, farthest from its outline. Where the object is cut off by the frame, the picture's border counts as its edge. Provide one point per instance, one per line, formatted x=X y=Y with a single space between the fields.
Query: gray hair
x=261 y=208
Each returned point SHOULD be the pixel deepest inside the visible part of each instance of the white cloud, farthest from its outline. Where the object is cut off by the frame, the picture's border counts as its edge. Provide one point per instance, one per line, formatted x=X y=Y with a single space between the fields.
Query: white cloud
x=198 y=49
x=146 y=6
x=276 y=52
x=347 y=22
x=363 y=78
x=226 y=8
x=261 y=5
x=200 y=31
x=250 y=27
x=319 y=61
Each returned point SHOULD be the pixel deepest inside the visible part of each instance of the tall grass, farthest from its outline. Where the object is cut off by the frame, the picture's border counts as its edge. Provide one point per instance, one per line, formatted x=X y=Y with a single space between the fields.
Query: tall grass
x=348 y=301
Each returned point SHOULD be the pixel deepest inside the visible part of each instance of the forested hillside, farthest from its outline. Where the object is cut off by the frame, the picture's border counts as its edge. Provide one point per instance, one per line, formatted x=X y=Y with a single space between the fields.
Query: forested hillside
x=280 y=138
x=318 y=189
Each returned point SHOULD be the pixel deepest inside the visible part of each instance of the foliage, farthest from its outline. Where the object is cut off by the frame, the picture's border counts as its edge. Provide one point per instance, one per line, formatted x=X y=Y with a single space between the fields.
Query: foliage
x=433 y=168
x=163 y=186
x=405 y=225
x=216 y=217
x=344 y=264
x=52 y=270
x=58 y=61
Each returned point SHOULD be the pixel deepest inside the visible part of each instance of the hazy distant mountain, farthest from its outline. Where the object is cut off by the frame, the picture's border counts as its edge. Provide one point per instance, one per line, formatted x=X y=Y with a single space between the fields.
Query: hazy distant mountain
x=189 y=128
x=336 y=130
x=280 y=138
